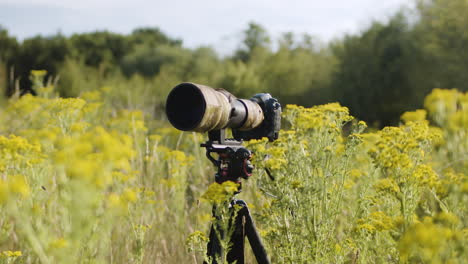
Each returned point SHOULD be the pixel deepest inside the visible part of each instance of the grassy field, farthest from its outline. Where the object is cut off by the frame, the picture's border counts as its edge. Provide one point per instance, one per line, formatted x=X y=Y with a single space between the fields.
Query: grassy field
x=82 y=181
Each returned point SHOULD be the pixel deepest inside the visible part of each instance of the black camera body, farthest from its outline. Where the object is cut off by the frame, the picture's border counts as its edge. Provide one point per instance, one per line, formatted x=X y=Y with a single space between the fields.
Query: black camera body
x=271 y=124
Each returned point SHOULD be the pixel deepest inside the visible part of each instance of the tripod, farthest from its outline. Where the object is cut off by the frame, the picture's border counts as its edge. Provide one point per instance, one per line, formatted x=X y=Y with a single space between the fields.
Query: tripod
x=233 y=164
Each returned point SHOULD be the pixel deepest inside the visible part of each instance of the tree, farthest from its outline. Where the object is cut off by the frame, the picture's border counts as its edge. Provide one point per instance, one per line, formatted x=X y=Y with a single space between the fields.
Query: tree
x=442 y=32
x=8 y=46
x=204 y=67
x=148 y=60
x=8 y=49
x=44 y=53
x=297 y=73
x=373 y=75
x=256 y=39
x=152 y=37
x=97 y=48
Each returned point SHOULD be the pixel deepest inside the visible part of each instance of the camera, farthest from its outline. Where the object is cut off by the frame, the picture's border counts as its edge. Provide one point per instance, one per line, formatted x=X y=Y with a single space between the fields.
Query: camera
x=200 y=108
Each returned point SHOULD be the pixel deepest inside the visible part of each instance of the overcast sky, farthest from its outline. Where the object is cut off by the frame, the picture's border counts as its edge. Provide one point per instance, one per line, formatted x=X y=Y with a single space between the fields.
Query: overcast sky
x=217 y=23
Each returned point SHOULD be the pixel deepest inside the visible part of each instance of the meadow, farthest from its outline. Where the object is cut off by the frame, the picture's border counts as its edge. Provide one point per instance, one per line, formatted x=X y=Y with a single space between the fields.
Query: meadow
x=85 y=181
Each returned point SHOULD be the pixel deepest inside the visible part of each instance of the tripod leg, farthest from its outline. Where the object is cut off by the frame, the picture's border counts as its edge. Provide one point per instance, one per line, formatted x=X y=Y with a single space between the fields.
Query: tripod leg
x=236 y=252
x=245 y=223
x=243 y=226
x=214 y=247
x=237 y=239
x=254 y=239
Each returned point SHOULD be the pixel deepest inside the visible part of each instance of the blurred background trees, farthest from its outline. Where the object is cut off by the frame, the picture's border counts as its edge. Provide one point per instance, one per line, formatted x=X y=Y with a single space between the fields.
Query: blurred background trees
x=379 y=73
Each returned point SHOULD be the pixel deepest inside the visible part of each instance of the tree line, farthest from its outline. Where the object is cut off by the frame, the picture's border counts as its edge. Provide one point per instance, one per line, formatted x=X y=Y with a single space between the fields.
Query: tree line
x=379 y=73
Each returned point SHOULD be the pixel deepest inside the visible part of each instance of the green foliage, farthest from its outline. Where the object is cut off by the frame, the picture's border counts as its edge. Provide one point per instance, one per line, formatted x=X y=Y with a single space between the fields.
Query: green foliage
x=148 y=60
x=40 y=53
x=374 y=72
x=443 y=35
x=298 y=73
x=152 y=37
x=97 y=48
x=8 y=46
x=255 y=39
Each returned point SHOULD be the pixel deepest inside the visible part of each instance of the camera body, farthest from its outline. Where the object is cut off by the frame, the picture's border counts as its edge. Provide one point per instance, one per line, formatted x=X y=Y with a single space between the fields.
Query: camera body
x=271 y=124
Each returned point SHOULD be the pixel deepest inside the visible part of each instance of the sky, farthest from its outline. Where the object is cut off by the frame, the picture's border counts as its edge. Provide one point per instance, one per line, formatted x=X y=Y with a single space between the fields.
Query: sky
x=216 y=23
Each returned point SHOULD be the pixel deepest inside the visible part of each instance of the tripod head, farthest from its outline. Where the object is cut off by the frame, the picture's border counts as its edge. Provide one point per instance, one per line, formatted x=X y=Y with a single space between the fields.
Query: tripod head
x=233 y=162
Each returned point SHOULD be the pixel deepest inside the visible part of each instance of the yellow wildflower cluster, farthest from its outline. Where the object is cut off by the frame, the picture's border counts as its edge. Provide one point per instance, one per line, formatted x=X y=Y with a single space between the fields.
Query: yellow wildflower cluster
x=387 y=186
x=196 y=241
x=31 y=112
x=414 y=116
x=443 y=104
x=431 y=242
x=399 y=150
x=425 y=175
x=93 y=156
x=120 y=202
x=59 y=243
x=16 y=154
x=331 y=116
x=376 y=221
x=219 y=193
x=11 y=254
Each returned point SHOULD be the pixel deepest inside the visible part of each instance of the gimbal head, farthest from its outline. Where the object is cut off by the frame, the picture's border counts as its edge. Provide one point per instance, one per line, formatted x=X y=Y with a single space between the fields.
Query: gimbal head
x=233 y=160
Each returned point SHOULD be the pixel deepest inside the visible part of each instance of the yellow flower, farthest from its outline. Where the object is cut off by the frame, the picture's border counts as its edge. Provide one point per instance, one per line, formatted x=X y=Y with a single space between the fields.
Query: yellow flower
x=59 y=243
x=366 y=227
x=218 y=193
x=356 y=174
x=38 y=73
x=426 y=175
x=376 y=221
x=11 y=254
x=414 y=116
x=196 y=240
x=442 y=103
x=91 y=95
x=130 y=195
x=426 y=240
x=387 y=185
x=447 y=219
x=114 y=200
x=381 y=221
x=19 y=185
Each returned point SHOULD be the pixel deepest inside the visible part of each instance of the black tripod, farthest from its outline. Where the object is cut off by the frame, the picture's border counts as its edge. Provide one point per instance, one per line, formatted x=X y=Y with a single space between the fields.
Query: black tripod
x=233 y=164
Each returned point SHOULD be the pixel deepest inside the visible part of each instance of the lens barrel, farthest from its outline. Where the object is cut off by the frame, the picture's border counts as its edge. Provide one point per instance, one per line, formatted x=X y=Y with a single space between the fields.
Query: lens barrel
x=200 y=108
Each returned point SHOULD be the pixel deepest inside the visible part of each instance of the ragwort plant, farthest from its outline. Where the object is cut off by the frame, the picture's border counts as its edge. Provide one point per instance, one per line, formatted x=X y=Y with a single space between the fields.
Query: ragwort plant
x=301 y=215
x=343 y=196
